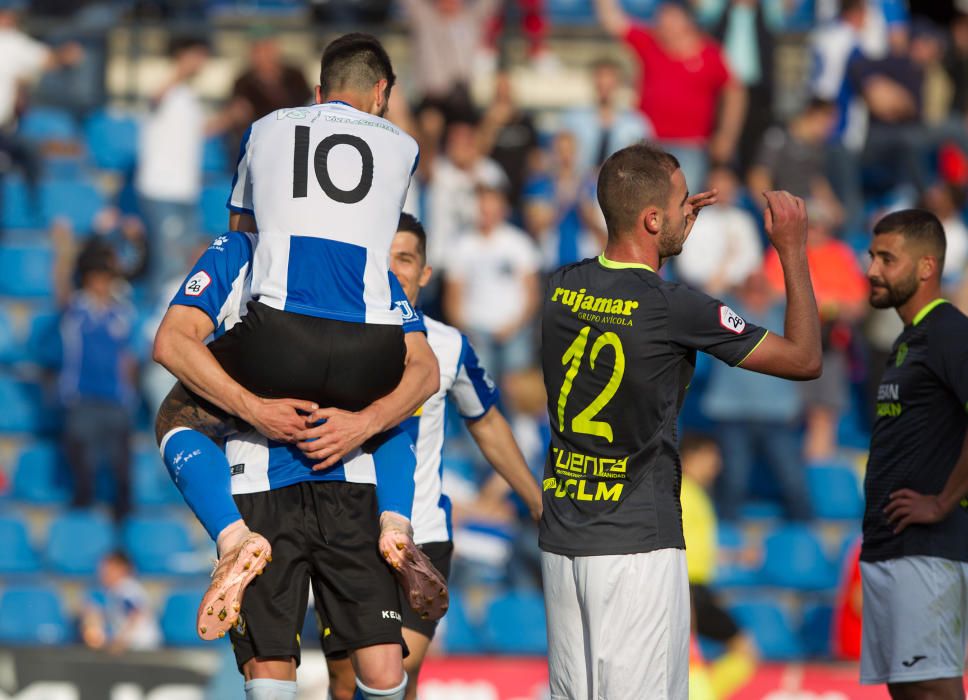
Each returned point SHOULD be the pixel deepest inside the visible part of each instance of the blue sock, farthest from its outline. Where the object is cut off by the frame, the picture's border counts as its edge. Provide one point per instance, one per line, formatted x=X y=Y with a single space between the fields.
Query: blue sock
x=395 y=462
x=268 y=689
x=201 y=472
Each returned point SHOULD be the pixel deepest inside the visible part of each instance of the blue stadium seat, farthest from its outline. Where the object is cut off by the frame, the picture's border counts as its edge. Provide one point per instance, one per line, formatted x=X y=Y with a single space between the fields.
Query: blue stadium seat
x=33 y=616
x=731 y=541
x=570 y=11
x=214 y=158
x=156 y=543
x=815 y=630
x=27 y=271
x=18 y=556
x=19 y=209
x=112 y=140
x=151 y=483
x=48 y=124
x=178 y=619
x=835 y=492
x=25 y=408
x=515 y=624
x=640 y=9
x=761 y=510
x=78 y=541
x=44 y=346
x=767 y=623
x=215 y=217
x=76 y=200
x=793 y=558
x=459 y=633
x=10 y=349
x=40 y=475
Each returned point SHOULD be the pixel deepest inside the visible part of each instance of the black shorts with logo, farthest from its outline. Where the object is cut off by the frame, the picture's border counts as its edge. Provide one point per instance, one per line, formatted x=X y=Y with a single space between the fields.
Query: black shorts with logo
x=284 y=355
x=440 y=554
x=325 y=532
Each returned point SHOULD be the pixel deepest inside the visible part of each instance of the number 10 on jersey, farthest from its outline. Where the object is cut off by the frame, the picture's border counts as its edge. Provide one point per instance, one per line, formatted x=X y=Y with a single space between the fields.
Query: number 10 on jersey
x=585 y=422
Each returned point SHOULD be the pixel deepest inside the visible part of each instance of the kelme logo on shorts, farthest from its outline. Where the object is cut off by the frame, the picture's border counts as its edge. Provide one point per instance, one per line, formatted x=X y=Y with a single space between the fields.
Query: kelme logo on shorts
x=902 y=351
x=392 y=615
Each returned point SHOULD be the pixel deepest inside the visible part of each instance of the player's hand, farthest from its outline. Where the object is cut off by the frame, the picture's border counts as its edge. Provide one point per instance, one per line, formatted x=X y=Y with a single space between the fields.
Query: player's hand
x=698 y=202
x=282 y=420
x=342 y=433
x=785 y=219
x=907 y=507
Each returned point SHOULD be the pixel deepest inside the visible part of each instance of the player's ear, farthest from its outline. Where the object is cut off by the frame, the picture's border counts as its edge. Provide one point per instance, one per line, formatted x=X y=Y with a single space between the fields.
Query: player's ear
x=425 y=276
x=651 y=220
x=928 y=268
x=318 y=94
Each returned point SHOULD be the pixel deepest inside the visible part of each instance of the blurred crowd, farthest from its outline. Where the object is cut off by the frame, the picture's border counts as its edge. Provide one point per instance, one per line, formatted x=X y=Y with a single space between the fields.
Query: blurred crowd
x=508 y=193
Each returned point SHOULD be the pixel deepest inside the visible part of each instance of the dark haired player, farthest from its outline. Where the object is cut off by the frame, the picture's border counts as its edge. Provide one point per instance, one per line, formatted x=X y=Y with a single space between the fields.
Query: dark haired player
x=914 y=559
x=618 y=350
x=325 y=184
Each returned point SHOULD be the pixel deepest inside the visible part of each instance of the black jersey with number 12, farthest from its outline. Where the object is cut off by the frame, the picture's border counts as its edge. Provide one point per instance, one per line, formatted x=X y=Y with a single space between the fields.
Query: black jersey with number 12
x=618 y=351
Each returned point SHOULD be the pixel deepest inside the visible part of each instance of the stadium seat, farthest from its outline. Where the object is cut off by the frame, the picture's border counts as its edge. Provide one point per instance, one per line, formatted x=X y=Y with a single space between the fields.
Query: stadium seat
x=157 y=544
x=40 y=475
x=459 y=634
x=570 y=11
x=815 y=630
x=48 y=124
x=214 y=158
x=794 y=559
x=731 y=541
x=25 y=408
x=27 y=271
x=112 y=140
x=767 y=623
x=18 y=556
x=33 y=616
x=10 y=349
x=75 y=200
x=150 y=481
x=43 y=346
x=78 y=541
x=835 y=492
x=640 y=9
x=178 y=619
x=515 y=624
x=215 y=217
x=761 y=510
x=20 y=210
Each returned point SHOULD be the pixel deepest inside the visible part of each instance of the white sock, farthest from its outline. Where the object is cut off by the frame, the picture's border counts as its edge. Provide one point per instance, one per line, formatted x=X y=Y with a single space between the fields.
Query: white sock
x=270 y=689
x=397 y=693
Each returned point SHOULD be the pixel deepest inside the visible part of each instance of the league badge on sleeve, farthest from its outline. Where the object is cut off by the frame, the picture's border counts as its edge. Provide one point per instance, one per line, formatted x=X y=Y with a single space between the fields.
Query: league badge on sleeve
x=730 y=320
x=197 y=284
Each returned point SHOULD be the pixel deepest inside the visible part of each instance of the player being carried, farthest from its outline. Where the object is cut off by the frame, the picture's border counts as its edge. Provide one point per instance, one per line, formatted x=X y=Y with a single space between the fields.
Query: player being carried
x=618 y=351
x=321 y=333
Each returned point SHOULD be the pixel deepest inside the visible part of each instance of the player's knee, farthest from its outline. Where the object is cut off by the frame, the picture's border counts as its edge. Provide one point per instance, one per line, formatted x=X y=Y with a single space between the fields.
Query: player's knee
x=382 y=689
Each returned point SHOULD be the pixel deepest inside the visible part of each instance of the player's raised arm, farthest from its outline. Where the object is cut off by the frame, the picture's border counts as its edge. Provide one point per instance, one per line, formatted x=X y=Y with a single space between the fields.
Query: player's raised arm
x=612 y=17
x=797 y=353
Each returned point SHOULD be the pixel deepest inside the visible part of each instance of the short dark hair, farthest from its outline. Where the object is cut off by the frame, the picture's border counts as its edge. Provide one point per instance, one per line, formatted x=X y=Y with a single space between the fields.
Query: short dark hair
x=119 y=557
x=632 y=179
x=178 y=45
x=917 y=226
x=607 y=63
x=694 y=442
x=355 y=61
x=819 y=104
x=848 y=6
x=411 y=224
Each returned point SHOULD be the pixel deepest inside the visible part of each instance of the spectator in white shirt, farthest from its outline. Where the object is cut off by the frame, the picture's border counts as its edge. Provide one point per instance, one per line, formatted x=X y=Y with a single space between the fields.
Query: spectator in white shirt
x=169 y=174
x=123 y=620
x=724 y=247
x=492 y=285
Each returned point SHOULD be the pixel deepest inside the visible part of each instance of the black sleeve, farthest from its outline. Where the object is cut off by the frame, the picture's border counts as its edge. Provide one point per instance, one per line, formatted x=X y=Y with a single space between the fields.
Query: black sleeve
x=699 y=322
x=948 y=352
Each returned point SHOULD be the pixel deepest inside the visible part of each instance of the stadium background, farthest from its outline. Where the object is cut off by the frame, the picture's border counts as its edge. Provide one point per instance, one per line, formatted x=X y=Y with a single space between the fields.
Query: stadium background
x=70 y=188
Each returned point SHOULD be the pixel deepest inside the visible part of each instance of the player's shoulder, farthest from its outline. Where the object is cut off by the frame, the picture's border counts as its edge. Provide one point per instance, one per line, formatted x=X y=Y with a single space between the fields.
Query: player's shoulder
x=946 y=321
x=446 y=341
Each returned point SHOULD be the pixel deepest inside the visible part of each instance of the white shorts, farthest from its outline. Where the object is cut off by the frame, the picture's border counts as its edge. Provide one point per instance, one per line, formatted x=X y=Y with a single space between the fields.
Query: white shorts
x=914 y=621
x=618 y=626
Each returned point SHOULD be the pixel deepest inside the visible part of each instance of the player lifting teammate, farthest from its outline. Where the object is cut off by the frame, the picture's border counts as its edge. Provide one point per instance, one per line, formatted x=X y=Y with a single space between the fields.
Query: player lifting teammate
x=914 y=558
x=618 y=350
x=322 y=330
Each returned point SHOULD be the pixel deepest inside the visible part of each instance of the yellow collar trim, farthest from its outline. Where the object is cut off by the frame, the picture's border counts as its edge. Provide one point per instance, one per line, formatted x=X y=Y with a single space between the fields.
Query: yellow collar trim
x=927 y=309
x=612 y=265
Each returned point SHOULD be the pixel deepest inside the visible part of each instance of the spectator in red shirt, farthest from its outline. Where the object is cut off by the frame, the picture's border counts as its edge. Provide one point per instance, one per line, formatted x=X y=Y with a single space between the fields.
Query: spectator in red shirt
x=687 y=91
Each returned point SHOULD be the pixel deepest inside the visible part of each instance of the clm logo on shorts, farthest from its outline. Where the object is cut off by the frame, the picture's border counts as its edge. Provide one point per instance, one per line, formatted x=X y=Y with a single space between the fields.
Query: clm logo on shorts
x=197 y=284
x=392 y=615
x=730 y=320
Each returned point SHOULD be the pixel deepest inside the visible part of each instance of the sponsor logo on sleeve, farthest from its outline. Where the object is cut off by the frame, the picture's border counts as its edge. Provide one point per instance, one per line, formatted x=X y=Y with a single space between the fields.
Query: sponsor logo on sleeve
x=197 y=284
x=730 y=320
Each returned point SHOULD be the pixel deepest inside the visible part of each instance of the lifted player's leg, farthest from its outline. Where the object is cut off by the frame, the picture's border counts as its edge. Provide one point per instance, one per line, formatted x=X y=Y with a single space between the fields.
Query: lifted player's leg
x=186 y=430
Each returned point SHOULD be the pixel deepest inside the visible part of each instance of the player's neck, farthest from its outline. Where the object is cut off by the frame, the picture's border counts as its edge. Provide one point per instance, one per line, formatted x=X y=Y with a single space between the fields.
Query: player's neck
x=353 y=99
x=633 y=250
x=922 y=298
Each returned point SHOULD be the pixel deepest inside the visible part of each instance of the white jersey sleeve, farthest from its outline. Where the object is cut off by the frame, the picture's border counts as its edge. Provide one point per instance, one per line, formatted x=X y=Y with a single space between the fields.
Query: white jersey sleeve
x=326 y=185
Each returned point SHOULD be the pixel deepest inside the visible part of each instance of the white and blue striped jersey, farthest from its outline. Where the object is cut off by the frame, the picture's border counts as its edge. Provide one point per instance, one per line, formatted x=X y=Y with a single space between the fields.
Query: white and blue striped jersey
x=473 y=392
x=219 y=285
x=326 y=185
